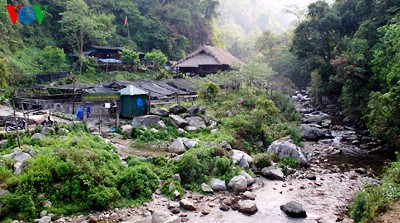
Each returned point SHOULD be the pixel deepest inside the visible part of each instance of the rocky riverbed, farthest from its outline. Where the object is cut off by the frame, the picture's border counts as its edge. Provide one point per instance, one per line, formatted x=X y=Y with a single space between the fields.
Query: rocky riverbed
x=341 y=160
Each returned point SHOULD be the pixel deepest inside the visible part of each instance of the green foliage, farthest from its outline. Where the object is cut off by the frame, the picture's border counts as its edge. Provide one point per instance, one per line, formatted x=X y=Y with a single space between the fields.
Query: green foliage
x=170 y=193
x=157 y=57
x=52 y=60
x=375 y=200
x=198 y=165
x=138 y=182
x=208 y=90
x=129 y=57
x=89 y=64
x=288 y=162
x=5 y=73
x=262 y=160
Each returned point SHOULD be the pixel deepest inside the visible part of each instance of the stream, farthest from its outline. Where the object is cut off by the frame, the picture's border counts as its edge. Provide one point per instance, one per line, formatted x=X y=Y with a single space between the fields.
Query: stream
x=343 y=160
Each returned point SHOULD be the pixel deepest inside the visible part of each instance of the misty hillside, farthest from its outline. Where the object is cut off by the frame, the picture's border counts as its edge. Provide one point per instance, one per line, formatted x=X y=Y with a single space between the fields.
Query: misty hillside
x=241 y=21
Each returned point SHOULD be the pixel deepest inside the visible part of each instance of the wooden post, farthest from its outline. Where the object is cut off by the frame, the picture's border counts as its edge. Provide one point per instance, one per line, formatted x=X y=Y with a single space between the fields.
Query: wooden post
x=100 y=120
x=117 y=116
x=15 y=119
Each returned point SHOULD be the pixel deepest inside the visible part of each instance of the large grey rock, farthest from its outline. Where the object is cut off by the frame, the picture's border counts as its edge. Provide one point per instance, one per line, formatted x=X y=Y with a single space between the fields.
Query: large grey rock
x=225 y=145
x=312 y=133
x=248 y=207
x=45 y=219
x=48 y=131
x=238 y=155
x=217 y=184
x=177 y=146
x=3 y=143
x=284 y=148
x=18 y=167
x=249 y=179
x=207 y=119
x=294 y=210
x=193 y=109
x=249 y=195
x=206 y=188
x=38 y=136
x=196 y=122
x=202 y=110
x=238 y=183
x=63 y=131
x=145 y=121
x=190 y=143
x=272 y=173
x=162 y=124
x=186 y=204
x=163 y=112
x=178 y=122
x=177 y=109
x=18 y=156
x=127 y=129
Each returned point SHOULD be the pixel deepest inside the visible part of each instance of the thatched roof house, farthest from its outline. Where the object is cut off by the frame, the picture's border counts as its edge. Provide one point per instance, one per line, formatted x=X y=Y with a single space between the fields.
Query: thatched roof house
x=206 y=60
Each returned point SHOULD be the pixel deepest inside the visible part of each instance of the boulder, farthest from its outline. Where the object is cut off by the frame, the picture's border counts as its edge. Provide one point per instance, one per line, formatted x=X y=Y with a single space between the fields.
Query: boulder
x=350 y=136
x=217 y=184
x=193 y=109
x=3 y=143
x=294 y=210
x=173 y=204
x=207 y=189
x=185 y=115
x=272 y=173
x=249 y=195
x=176 y=177
x=311 y=176
x=18 y=156
x=177 y=109
x=47 y=131
x=190 y=143
x=238 y=155
x=63 y=131
x=45 y=219
x=162 y=124
x=93 y=219
x=196 y=122
x=177 y=146
x=202 y=110
x=312 y=133
x=224 y=207
x=249 y=179
x=207 y=119
x=181 y=131
x=238 y=183
x=191 y=128
x=186 y=204
x=248 y=207
x=126 y=129
x=225 y=145
x=284 y=148
x=163 y=112
x=145 y=121
x=38 y=136
x=160 y=216
x=178 y=122
x=18 y=167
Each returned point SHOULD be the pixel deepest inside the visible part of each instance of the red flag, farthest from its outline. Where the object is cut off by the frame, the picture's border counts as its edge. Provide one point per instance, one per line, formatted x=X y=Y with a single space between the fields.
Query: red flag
x=126 y=21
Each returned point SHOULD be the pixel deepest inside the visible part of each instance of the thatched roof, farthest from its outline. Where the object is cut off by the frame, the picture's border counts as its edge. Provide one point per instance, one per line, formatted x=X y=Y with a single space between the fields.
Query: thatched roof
x=208 y=55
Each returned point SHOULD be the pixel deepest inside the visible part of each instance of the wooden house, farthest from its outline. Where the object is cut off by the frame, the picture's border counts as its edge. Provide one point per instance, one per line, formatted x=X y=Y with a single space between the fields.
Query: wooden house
x=207 y=60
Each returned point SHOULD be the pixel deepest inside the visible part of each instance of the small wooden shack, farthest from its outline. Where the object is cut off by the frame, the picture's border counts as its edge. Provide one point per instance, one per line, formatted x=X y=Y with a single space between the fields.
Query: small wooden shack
x=134 y=102
x=207 y=60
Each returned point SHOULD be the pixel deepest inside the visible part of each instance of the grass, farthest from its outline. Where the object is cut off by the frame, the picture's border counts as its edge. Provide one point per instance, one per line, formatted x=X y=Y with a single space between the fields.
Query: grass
x=375 y=200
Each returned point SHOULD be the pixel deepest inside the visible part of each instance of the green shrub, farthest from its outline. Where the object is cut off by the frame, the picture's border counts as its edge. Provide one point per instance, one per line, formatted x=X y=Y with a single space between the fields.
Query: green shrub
x=19 y=205
x=198 y=165
x=102 y=197
x=170 y=194
x=262 y=160
x=359 y=206
x=138 y=182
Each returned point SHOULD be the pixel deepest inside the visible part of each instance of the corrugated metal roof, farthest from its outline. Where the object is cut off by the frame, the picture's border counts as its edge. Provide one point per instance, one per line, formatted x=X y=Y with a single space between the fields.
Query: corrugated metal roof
x=132 y=90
